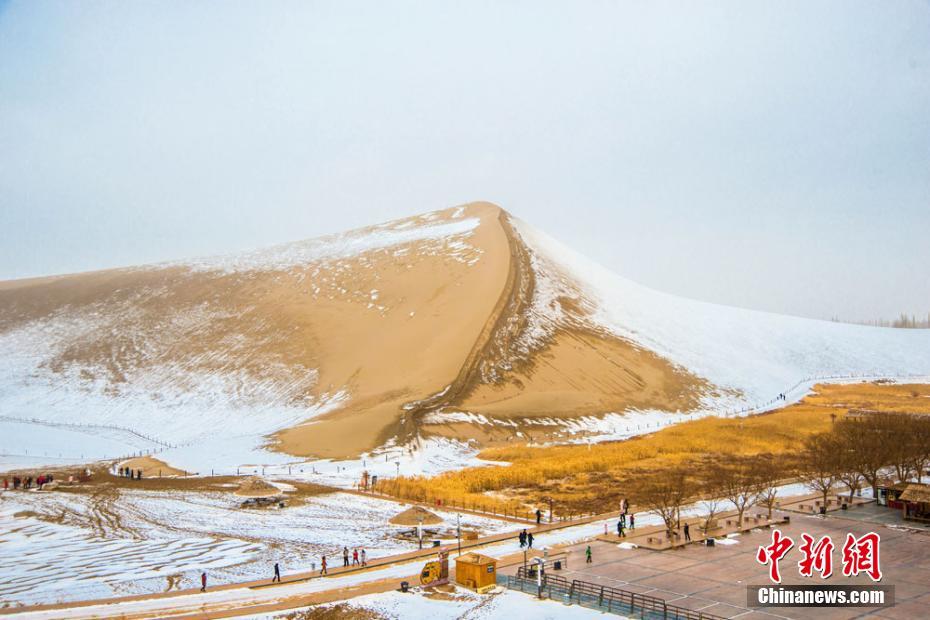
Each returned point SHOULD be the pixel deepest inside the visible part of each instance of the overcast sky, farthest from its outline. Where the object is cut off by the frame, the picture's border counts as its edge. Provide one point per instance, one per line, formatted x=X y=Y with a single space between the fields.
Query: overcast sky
x=772 y=155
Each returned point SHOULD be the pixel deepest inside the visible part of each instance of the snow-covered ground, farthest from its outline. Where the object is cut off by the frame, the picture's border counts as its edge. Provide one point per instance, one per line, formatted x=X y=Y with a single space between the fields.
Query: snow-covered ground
x=341 y=513
x=66 y=546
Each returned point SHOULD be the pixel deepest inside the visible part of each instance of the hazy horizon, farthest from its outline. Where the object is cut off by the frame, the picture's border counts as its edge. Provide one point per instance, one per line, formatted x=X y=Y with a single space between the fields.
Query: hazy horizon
x=763 y=157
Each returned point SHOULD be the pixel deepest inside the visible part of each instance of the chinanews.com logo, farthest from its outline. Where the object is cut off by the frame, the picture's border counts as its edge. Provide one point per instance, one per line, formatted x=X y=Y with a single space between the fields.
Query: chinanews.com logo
x=858 y=556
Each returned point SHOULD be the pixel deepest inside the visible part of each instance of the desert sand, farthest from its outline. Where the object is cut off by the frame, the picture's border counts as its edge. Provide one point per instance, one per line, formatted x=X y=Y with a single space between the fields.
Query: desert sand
x=397 y=330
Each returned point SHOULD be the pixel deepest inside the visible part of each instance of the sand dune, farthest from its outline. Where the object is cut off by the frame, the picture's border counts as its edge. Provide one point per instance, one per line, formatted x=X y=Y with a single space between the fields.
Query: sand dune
x=414 y=328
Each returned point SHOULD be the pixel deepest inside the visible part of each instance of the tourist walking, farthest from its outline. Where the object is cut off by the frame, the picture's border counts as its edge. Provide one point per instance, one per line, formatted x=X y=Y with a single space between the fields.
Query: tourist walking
x=277 y=573
x=687 y=533
x=529 y=540
x=345 y=557
x=355 y=557
x=621 y=530
x=632 y=522
x=538 y=516
x=523 y=538
x=323 y=565
x=364 y=563
x=587 y=555
x=203 y=582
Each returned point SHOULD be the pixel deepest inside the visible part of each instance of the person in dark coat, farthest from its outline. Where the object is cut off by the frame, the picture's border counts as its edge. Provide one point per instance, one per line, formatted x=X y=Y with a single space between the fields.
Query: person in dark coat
x=277 y=573
x=529 y=540
x=538 y=516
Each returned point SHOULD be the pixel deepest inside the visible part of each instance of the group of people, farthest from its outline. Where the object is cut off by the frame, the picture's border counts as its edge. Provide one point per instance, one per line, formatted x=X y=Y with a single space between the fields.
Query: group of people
x=622 y=523
x=526 y=539
x=28 y=482
x=358 y=556
x=133 y=474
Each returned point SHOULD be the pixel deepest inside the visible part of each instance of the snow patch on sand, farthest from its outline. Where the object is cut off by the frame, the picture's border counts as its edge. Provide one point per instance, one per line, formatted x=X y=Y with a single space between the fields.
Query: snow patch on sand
x=347 y=245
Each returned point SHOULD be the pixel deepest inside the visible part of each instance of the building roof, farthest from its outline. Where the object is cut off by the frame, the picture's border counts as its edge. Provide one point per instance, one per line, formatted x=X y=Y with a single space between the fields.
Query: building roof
x=475 y=558
x=914 y=492
x=416 y=515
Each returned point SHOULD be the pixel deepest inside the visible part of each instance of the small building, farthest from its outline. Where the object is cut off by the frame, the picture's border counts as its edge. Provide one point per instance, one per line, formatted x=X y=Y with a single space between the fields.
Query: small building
x=476 y=572
x=915 y=502
x=889 y=492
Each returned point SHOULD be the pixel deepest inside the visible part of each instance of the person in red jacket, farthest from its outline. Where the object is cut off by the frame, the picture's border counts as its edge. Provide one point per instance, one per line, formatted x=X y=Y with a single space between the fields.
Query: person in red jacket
x=203 y=582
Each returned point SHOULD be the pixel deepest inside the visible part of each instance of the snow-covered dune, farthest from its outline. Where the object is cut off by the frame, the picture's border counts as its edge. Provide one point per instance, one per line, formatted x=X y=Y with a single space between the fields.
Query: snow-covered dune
x=454 y=328
x=756 y=355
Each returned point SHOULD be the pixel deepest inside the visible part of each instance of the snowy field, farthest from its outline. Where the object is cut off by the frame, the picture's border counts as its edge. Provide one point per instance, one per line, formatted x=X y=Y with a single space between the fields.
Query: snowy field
x=387 y=603
x=67 y=546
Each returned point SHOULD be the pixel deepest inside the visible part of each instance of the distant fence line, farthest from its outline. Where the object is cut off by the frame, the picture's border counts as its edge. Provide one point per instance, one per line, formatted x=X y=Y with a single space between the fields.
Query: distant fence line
x=80 y=426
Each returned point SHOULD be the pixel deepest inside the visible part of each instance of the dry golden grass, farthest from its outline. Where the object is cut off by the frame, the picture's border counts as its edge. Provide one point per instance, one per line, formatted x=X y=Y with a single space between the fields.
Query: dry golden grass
x=583 y=478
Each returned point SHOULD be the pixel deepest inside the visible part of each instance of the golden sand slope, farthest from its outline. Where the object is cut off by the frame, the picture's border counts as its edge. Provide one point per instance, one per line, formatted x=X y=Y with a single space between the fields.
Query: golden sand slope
x=403 y=331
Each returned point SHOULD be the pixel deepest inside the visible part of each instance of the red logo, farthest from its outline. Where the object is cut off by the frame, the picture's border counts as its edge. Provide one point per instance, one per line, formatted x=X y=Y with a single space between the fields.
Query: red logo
x=773 y=553
x=817 y=557
x=860 y=555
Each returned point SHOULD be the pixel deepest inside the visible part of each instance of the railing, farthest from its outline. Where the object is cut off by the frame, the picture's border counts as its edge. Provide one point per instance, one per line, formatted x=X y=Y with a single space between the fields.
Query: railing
x=600 y=597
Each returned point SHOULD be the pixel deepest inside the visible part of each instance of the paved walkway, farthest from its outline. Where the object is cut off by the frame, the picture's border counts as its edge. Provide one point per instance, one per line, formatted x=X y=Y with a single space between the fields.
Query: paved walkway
x=715 y=579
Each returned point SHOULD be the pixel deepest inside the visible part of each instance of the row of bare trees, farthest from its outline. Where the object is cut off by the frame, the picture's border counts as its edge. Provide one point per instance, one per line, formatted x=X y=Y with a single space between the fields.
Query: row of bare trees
x=717 y=481
x=854 y=451
x=865 y=450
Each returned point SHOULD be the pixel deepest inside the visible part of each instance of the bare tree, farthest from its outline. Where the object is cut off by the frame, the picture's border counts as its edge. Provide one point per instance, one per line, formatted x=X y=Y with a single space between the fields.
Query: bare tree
x=918 y=440
x=821 y=464
x=852 y=479
x=735 y=477
x=865 y=448
x=895 y=429
x=663 y=492
x=710 y=491
x=767 y=473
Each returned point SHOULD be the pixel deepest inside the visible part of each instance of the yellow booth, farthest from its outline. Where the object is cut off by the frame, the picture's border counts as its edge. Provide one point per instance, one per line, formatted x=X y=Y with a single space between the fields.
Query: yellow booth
x=476 y=572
